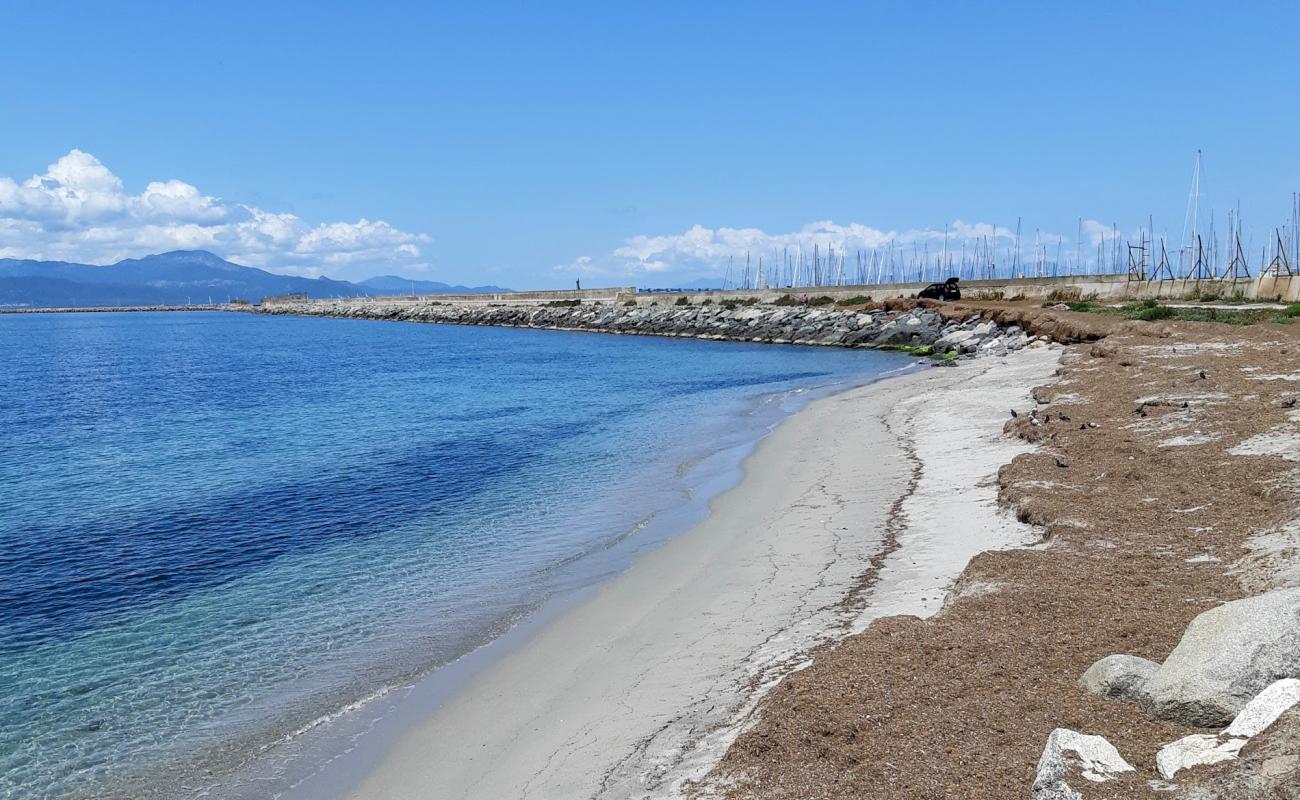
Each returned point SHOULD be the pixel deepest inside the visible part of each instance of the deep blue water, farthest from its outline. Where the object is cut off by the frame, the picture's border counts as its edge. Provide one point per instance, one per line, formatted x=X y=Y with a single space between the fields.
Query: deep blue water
x=216 y=528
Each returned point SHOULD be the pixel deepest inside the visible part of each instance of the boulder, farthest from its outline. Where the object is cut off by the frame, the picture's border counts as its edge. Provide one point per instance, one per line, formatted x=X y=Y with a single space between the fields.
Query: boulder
x=1120 y=677
x=1196 y=750
x=1228 y=655
x=1264 y=710
x=1268 y=767
x=1073 y=756
x=1258 y=715
x=952 y=341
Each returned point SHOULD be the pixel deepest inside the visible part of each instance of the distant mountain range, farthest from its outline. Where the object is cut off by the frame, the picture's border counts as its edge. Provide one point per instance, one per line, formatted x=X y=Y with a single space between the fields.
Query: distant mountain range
x=178 y=278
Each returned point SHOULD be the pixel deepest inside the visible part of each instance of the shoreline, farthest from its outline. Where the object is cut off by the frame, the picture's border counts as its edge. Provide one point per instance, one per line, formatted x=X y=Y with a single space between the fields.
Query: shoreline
x=642 y=686
x=304 y=761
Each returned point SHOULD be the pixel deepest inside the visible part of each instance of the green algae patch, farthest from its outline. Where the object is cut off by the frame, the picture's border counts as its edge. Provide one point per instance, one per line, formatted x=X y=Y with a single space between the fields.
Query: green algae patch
x=910 y=349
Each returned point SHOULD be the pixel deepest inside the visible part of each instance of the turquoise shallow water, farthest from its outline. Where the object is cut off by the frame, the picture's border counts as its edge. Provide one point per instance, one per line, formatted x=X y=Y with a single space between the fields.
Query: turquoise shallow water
x=217 y=528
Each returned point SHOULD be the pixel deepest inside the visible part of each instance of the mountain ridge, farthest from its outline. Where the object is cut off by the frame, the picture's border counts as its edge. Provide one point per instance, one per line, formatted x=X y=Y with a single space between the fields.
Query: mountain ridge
x=180 y=277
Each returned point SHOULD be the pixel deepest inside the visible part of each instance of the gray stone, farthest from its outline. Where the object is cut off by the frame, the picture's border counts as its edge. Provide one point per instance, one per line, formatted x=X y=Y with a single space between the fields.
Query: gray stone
x=1120 y=677
x=1228 y=655
x=1070 y=756
x=1196 y=750
x=1268 y=769
x=953 y=340
x=1264 y=710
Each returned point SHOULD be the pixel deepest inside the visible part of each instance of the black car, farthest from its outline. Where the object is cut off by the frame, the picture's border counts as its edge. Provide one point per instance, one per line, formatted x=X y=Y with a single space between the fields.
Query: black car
x=948 y=290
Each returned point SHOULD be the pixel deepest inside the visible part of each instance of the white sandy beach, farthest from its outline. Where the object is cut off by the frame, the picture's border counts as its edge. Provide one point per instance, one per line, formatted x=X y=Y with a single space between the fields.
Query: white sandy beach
x=643 y=685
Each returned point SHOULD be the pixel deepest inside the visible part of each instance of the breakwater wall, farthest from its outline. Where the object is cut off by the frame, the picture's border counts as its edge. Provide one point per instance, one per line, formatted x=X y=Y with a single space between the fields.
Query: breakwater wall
x=916 y=326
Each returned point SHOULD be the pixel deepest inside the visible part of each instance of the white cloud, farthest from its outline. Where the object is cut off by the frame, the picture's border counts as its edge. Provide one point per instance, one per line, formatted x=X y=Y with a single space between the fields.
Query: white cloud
x=706 y=250
x=80 y=211
x=583 y=266
x=1097 y=232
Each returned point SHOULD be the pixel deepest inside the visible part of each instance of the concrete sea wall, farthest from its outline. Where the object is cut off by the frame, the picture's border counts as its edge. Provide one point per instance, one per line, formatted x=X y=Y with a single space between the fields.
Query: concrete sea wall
x=1104 y=288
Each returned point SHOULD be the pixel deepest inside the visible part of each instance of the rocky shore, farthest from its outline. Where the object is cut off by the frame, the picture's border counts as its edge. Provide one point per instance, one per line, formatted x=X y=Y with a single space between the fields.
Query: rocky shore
x=904 y=324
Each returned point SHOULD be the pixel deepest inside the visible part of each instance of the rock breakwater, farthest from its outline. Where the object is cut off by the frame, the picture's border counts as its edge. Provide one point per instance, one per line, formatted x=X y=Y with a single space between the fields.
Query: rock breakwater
x=924 y=328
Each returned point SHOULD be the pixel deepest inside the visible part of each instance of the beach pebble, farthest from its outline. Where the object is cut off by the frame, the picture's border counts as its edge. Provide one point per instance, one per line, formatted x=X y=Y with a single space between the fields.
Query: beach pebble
x=1070 y=756
x=1120 y=677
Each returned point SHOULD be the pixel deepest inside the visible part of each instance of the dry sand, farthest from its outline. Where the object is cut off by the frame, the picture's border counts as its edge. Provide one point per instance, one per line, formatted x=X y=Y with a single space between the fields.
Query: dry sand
x=887 y=490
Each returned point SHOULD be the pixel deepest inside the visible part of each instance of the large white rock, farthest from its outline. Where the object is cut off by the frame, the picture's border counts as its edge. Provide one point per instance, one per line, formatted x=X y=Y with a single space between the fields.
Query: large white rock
x=1264 y=710
x=1068 y=753
x=1195 y=750
x=953 y=341
x=1228 y=655
x=1120 y=677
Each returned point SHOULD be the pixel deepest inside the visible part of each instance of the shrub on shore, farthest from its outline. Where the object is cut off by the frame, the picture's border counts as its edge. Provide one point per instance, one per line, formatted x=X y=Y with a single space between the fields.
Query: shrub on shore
x=824 y=300
x=1148 y=310
x=1151 y=310
x=1066 y=295
x=683 y=301
x=856 y=300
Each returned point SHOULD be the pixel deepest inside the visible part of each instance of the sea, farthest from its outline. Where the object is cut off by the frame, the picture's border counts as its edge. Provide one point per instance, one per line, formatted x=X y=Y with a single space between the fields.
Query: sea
x=223 y=532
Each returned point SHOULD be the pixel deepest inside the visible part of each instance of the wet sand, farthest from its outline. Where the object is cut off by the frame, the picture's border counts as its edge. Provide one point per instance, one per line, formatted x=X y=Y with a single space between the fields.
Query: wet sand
x=838 y=520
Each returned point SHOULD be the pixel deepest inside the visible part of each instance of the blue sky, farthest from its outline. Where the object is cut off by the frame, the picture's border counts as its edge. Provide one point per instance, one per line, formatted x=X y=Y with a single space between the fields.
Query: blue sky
x=525 y=143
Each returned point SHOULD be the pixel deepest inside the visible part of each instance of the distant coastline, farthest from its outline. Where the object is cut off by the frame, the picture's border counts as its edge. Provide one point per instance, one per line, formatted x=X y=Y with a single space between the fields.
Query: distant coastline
x=183 y=278
x=109 y=309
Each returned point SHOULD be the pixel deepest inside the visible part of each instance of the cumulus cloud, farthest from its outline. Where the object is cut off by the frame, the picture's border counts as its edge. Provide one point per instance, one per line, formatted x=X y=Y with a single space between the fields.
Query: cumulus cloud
x=1097 y=232
x=582 y=266
x=706 y=249
x=78 y=210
